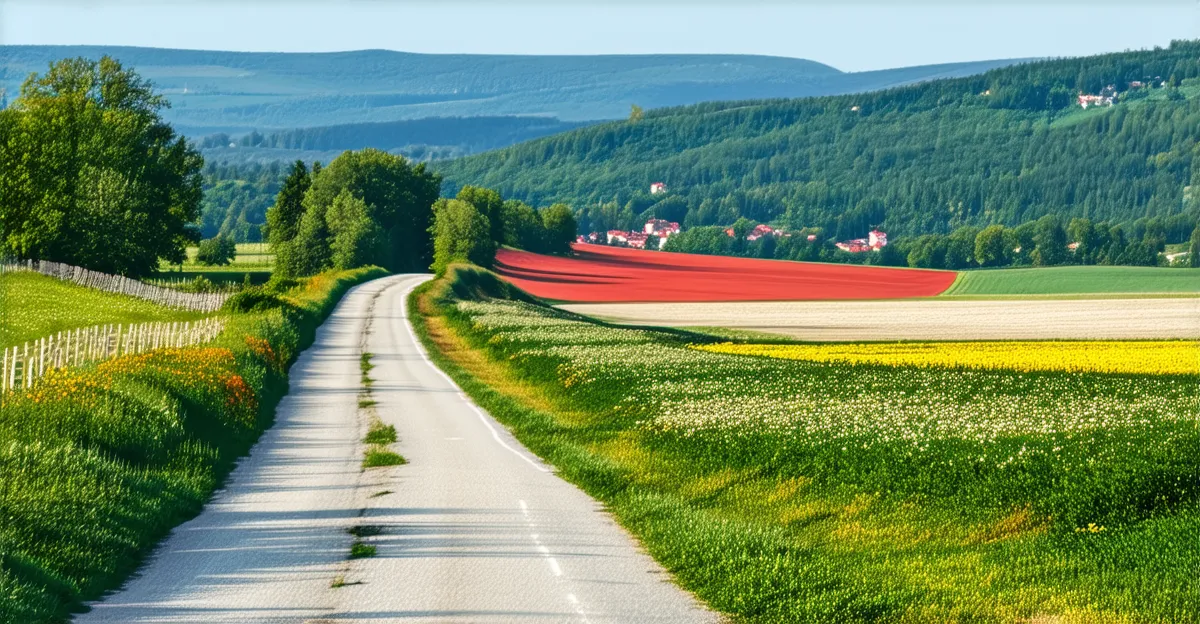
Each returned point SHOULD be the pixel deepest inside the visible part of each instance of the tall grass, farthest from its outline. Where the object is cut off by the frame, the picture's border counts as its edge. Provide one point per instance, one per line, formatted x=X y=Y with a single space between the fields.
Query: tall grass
x=99 y=463
x=832 y=492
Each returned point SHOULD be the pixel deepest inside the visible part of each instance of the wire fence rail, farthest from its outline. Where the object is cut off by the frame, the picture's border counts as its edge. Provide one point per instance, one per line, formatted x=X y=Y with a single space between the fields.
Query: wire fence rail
x=167 y=297
x=24 y=365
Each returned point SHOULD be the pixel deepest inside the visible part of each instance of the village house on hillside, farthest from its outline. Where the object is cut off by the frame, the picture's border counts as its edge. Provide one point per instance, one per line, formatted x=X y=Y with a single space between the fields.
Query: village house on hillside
x=758 y=232
x=875 y=241
x=1106 y=97
x=659 y=228
x=658 y=187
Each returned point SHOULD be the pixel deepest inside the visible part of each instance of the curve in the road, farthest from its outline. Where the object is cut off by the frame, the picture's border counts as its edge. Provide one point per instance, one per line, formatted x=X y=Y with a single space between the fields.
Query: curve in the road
x=473 y=529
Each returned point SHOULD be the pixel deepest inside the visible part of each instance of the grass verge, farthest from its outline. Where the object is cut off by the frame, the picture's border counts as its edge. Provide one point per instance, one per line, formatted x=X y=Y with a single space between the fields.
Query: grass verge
x=100 y=462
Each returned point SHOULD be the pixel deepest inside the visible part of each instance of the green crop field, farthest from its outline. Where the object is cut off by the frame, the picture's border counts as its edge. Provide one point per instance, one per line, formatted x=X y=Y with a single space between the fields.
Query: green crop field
x=804 y=491
x=36 y=305
x=1077 y=280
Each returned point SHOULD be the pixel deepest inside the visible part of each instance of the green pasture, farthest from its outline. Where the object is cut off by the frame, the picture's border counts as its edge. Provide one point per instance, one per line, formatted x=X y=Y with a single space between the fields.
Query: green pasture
x=250 y=257
x=36 y=305
x=1077 y=280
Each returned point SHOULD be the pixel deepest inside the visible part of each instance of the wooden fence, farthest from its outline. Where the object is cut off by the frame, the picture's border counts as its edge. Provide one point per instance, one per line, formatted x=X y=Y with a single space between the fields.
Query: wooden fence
x=200 y=302
x=24 y=365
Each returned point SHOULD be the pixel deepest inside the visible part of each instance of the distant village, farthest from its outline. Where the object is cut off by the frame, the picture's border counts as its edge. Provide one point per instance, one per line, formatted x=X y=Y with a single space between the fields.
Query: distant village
x=1108 y=95
x=657 y=231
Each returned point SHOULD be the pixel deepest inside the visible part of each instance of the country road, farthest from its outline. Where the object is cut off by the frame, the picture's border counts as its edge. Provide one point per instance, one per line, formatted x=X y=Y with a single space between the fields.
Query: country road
x=473 y=529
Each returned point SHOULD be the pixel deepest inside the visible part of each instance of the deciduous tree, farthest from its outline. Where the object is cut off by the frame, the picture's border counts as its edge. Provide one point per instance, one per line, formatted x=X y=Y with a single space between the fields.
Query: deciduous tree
x=460 y=234
x=560 y=228
x=92 y=175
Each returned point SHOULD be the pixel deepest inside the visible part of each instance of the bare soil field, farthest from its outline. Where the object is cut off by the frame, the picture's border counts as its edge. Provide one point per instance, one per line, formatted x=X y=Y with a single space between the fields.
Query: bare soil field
x=926 y=319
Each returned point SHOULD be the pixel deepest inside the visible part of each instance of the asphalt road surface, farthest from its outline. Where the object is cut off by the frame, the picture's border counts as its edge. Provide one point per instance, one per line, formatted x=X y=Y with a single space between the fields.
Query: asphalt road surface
x=925 y=319
x=473 y=529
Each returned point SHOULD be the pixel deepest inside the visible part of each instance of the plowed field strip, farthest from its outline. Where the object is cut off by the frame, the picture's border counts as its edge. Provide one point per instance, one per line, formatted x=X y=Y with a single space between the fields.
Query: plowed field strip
x=608 y=274
x=1112 y=319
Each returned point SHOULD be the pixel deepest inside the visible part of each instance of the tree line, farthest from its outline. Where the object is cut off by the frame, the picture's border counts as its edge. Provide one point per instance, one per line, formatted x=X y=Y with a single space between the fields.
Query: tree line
x=1005 y=147
x=370 y=207
x=1048 y=241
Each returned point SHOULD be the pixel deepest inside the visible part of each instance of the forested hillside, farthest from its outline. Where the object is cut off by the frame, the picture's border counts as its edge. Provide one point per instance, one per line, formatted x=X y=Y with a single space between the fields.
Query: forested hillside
x=1007 y=146
x=431 y=138
x=236 y=92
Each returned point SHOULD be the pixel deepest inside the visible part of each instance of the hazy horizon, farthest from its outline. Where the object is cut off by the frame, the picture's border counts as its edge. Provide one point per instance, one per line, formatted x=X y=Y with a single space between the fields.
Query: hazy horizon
x=855 y=37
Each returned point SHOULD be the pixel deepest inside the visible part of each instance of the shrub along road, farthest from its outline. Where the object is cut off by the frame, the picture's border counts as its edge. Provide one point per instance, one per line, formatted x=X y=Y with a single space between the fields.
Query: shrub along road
x=472 y=529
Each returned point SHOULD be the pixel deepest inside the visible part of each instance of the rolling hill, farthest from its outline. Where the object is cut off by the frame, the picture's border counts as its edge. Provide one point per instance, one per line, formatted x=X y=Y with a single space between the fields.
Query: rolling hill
x=236 y=92
x=1006 y=146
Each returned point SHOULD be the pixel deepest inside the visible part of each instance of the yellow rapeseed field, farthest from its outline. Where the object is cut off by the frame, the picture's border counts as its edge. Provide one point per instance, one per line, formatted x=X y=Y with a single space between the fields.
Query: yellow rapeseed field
x=1154 y=358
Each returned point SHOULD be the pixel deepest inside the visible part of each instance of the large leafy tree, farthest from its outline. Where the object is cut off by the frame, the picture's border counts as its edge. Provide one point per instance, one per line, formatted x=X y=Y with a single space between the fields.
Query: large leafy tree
x=92 y=175
x=283 y=218
x=398 y=199
x=560 y=228
x=522 y=227
x=460 y=234
x=355 y=240
x=490 y=204
x=1193 y=257
x=991 y=246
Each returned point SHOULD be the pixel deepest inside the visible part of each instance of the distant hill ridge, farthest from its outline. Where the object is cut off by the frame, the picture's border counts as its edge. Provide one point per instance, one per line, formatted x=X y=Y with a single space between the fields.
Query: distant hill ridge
x=215 y=91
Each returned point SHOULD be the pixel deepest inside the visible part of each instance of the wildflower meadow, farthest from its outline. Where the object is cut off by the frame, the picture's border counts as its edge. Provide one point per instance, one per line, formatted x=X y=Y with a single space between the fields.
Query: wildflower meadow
x=986 y=482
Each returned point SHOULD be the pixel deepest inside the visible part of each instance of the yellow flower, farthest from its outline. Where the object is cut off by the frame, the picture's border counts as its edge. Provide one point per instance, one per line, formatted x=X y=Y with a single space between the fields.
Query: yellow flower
x=1150 y=358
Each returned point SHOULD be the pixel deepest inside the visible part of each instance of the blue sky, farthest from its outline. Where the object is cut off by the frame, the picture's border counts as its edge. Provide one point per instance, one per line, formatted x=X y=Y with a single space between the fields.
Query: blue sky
x=851 y=36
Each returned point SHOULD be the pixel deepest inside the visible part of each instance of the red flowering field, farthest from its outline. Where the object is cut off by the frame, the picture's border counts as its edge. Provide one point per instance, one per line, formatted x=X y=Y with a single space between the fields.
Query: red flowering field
x=598 y=273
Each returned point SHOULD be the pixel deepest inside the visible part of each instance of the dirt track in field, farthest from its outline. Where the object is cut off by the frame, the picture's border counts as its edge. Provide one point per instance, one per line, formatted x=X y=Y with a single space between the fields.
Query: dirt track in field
x=924 y=319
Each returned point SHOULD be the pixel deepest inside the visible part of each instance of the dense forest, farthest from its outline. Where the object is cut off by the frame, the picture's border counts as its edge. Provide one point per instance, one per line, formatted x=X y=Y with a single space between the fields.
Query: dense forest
x=1004 y=147
x=236 y=199
x=474 y=133
x=432 y=138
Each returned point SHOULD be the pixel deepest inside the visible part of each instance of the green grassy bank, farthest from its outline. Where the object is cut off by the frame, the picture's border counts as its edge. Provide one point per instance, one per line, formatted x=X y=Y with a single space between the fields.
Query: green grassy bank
x=100 y=462
x=788 y=491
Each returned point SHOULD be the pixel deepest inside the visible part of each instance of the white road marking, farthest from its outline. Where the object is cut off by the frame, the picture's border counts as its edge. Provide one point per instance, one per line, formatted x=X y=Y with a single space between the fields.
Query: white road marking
x=482 y=417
